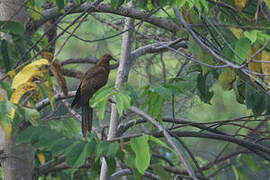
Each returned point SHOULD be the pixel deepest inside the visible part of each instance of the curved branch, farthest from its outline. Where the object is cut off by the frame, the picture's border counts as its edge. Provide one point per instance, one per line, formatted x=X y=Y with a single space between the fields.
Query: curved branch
x=106 y=8
x=125 y=172
x=57 y=97
x=169 y=138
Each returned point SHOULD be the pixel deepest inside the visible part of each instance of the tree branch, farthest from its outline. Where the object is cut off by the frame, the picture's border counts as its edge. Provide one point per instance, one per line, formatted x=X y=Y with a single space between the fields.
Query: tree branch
x=106 y=8
x=168 y=138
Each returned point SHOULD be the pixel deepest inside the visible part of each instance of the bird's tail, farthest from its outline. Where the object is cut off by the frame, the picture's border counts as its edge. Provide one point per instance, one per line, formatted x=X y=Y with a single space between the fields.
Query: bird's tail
x=87 y=115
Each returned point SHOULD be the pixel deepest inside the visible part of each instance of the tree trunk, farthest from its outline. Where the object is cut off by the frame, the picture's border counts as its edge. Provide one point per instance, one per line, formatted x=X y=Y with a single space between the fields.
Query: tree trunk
x=17 y=161
x=122 y=76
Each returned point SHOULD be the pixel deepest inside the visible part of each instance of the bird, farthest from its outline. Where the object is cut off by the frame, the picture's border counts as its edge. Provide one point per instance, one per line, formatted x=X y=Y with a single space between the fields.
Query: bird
x=94 y=79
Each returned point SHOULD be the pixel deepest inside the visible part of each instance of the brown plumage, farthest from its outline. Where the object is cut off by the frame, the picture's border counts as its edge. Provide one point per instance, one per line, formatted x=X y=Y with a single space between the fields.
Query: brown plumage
x=95 y=78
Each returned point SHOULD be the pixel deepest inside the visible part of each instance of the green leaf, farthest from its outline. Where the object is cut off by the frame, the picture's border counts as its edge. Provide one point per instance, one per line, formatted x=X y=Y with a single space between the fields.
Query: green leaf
x=60 y=4
x=5 y=110
x=102 y=148
x=236 y=174
x=116 y=3
x=11 y=27
x=5 y=56
x=159 y=170
x=59 y=146
x=242 y=48
x=31 y=115
x=251 y=35
x=142 y=150
x=255 y=101
x=75 y=153
x=158 y=141
x=123 y=101
x=165 y=93
x=101 y=106
x=111 y=165
x=100 y=98
x=204 y=89
x=30 y=134
x=113 y=149
x=101 y=95
x=83 y=156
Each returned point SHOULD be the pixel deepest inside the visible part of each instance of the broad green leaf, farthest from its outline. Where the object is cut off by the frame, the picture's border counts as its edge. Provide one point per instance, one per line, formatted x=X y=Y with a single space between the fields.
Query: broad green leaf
x=227 y=78
x=242 y=48
x=116 y=3
x=255 y=100
x=251 y=35
x=5 y=110
x=159 y=170
x=83 y=156
x=101 y=95
x=130 y=161
x=31 y=115
x=113 y=149
x=60 y=4
x=204 y=89
x=142 y=150
x=44 y=139
x=11 y=27
x=236 y=174
x=59 y=146
x=111 y=165
x=165 y=93
x=158 y=141
x=30 y=134
x=123 y=101
x=5 y=56
x=102 y=149
x=73 y=153
x=101 y=107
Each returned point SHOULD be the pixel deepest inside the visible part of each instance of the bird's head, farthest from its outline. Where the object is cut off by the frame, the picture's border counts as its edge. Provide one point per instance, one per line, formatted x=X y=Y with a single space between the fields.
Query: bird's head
x=108 y=57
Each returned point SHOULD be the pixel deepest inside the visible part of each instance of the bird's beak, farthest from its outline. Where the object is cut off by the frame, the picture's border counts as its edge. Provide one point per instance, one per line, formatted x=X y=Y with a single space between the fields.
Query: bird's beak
x=114 y=59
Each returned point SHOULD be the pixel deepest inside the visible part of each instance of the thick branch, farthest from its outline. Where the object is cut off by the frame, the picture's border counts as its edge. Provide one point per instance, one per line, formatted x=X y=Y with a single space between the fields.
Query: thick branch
x=106 y=8
x=158 y=47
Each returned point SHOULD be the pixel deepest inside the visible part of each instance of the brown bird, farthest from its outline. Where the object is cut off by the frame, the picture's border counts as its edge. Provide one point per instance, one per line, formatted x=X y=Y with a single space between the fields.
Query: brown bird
x=95 y=78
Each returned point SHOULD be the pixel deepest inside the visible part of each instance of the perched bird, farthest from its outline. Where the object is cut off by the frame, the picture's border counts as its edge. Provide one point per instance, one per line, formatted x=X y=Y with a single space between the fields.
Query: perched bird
x=95 y=78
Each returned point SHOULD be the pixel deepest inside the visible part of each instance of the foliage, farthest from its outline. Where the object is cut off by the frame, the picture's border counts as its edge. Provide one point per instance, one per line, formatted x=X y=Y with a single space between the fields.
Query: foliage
x=235 y=31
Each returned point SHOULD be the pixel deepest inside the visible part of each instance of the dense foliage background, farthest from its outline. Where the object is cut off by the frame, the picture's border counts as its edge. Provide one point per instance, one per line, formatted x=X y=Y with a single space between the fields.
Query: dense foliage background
x=188 y=99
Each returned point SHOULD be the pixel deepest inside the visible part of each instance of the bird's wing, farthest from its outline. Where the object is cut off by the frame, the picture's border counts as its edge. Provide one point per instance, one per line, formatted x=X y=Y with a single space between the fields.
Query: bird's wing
x=93 y=80
x=76 y=99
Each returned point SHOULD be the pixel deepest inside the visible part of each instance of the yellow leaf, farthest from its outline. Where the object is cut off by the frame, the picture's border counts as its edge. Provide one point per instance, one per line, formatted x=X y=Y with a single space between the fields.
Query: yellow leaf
x=237 y=32
x=226 y=79
x=57 y=70
x=254 y=66
x=12 y=73
x=41 y=158
x=2 y=98
x=240 y=4
x=36 y=13
x=267 y=2
x=18 y=94
x=28 y=72
x=266 y=66
x=21 y=90
x=6 y=129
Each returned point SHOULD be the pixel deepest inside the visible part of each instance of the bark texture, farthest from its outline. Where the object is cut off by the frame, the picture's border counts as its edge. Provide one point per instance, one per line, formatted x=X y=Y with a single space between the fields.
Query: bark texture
x=17 y=161
x=122 y=76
